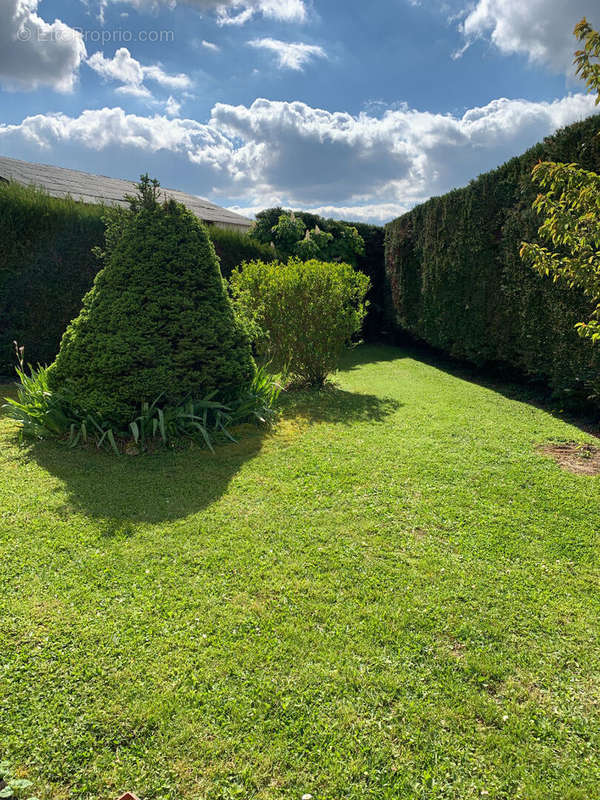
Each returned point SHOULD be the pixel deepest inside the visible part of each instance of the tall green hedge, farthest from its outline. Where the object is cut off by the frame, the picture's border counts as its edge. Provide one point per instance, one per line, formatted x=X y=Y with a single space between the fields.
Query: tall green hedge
x=372 y=264
x=455 y=279
x=47 y=266
x=233 y=247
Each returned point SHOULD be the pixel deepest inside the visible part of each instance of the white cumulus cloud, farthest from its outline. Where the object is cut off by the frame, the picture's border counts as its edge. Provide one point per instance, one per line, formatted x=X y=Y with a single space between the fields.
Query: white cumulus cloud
x=540 y=29
x=291 y=154
x=155 y=73
x=235 y=12
x=35 y=53
x=131 y=74
x=172 y=107
x=290 y=55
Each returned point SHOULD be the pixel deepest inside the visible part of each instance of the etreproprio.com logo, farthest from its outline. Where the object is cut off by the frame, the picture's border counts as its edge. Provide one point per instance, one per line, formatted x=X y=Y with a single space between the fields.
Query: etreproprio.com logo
x=92 y=35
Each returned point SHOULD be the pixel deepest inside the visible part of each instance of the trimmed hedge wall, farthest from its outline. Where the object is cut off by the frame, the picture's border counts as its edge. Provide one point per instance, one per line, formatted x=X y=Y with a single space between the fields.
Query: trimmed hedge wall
x=455 y=279
x=373 y=265
x=233 y=248
x=47 y=266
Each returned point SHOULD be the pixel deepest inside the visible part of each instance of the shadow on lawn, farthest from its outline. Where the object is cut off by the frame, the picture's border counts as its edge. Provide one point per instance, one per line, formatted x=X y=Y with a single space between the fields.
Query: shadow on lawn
x=513 y=385
x=7 y=389
x=163 y=486
x=502 y=379
x=373 y=353
x=335 y=405
x=170 y=485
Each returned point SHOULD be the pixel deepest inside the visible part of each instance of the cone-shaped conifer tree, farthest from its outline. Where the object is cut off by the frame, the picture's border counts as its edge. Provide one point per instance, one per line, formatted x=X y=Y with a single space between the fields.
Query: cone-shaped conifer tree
x=158 y=320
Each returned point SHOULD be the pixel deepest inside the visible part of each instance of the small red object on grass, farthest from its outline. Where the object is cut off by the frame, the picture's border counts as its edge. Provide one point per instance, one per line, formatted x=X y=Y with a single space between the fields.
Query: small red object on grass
x=128 y=796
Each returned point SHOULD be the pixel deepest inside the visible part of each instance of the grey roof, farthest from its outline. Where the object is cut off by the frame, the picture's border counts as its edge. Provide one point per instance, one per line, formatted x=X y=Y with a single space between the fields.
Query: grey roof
x=60 y=182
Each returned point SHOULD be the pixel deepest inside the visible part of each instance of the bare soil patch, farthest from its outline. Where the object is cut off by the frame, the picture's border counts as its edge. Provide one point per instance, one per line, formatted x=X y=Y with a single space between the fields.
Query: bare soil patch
x=580 y=459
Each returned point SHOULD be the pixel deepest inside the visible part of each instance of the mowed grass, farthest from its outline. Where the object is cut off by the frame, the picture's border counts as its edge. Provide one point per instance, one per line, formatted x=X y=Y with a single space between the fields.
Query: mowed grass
x=392 y=595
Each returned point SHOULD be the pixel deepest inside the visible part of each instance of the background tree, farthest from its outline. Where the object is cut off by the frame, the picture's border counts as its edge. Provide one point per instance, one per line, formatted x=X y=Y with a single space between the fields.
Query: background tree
x=306 y=236
x=570 y=204
x=286 y=235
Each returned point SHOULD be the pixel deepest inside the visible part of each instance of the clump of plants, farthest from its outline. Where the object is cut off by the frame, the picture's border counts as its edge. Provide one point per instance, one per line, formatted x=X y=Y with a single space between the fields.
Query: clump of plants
x=11 y=787
x=44 y=413
x=157 y=353
x=301 y=315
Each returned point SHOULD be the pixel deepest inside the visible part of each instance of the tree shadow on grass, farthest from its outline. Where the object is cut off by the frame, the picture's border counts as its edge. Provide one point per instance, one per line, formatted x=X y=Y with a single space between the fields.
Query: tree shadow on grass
x=335 y=405
x=512 y=384
x=169 y=485
x=372 y=353
x=158 y=487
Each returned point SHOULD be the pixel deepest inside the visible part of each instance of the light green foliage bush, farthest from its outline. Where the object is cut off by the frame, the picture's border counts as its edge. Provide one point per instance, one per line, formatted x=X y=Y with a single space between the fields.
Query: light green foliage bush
x=157 y=323
x=365 y=253
x=303 y=313
x=570 y=205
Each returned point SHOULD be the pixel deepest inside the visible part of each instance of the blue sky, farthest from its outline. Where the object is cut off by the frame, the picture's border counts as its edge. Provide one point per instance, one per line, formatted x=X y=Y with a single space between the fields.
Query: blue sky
x=357 y=110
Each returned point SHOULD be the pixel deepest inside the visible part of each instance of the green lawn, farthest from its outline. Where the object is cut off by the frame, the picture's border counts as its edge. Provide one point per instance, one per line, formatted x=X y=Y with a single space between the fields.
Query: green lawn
x=392 y=595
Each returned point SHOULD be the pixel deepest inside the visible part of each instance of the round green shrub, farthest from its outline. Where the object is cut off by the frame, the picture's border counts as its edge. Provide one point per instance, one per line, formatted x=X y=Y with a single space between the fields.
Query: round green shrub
x=302 y=314
x=157 y=321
